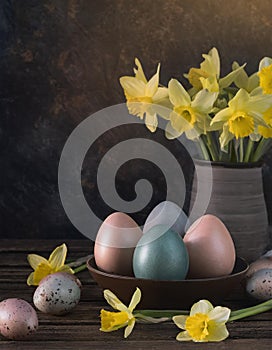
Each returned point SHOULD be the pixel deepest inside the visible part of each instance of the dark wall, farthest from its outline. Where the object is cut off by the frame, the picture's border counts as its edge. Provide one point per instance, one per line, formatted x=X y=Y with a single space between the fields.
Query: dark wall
x=60 y=61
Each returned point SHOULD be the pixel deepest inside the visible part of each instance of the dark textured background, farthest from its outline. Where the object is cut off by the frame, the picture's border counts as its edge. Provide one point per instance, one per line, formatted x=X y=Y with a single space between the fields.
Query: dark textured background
x=60 y=61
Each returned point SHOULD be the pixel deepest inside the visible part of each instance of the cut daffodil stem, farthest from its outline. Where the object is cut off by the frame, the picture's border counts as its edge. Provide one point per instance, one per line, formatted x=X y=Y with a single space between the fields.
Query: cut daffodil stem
x=234 y=315
x=262 y=148
x=250 y=311
x=80 y=268
x=249 y=150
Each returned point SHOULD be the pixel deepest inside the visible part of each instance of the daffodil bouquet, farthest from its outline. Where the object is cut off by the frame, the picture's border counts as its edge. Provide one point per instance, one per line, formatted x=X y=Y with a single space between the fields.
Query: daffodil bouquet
x=230 y=117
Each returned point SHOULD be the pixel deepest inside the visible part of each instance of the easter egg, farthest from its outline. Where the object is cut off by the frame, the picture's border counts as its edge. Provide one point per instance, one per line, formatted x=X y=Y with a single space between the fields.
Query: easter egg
x=168 y=214
x=115 y=243
x=259 y=285
x=57 y=293
x=160 y=255
x=210 y=247
x=18 y=319
x=264 y=262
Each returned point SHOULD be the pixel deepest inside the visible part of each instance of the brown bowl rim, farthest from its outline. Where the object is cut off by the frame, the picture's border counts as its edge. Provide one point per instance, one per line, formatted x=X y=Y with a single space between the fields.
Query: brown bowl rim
x=193 y=280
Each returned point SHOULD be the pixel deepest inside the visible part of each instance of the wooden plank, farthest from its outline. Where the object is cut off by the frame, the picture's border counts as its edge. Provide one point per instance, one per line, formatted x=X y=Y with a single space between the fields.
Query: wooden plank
x=167 y=331
x=233 y=344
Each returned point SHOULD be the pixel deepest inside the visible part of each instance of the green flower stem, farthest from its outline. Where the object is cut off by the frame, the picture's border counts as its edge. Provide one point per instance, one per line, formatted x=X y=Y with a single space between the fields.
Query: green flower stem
x=80 y=268
x=250 y=311
x=204 y=149
x=161 y=315
x=263 y=146
x=211 y=147
x=80 y=261
x=249 y=148
x=241 y=150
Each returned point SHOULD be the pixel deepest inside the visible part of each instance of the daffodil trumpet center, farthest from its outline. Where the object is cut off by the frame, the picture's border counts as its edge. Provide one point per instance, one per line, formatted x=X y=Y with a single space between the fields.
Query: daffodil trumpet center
x=265 y=76
x=241 y=124
x=194 y=75
x=268 y=116
x=187 y=113
x=198 y=326
x=111 y=320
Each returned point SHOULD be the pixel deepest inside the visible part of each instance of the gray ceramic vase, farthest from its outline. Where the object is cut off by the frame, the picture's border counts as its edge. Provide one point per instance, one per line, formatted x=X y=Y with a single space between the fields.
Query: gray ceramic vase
x=234 y=193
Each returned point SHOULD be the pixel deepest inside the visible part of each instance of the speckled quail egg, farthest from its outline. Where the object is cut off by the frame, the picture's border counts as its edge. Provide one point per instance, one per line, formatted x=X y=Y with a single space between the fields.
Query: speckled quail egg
x=18 y=319
x=259 y=285
x=58 y=293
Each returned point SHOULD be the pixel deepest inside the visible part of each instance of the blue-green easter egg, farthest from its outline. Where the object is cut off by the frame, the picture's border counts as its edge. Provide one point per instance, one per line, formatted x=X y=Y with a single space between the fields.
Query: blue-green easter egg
x=160 y=255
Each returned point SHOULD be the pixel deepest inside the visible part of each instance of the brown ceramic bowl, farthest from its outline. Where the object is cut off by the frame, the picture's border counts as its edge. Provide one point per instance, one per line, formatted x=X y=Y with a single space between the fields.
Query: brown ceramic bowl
x=170 y=294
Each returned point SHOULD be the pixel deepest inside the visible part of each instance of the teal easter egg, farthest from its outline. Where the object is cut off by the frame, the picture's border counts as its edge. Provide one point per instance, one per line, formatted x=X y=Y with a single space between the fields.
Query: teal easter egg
x=160 y=255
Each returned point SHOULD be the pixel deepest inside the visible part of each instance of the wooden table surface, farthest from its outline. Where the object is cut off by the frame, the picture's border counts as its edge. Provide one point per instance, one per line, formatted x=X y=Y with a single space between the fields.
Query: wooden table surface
x=80 y=329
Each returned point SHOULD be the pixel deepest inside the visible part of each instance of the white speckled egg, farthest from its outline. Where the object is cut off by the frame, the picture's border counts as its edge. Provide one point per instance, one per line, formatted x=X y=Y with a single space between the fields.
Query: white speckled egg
x=168 y=214
x=259 y=285
x=264 y=262
x=18 y=319
x=58 y=293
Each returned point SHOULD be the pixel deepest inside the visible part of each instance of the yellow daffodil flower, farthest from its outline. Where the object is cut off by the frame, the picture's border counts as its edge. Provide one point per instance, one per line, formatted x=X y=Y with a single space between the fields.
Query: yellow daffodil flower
x=43 y=267
x=266 y=131
x=111 y=321
x=243 y=81
x=242 y=116
x=142 y=95
x=265 y=75
x=189 y=116
x=205 y=323
x=208 y=75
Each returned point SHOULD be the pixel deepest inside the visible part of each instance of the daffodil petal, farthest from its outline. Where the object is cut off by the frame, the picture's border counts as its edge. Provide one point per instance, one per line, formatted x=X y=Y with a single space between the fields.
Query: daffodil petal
x=180 y=321
x=129 y=328
x=113 y=301
x=179 y=123
x=265 y=62
x=217 y=333
x=258 y=104
x=204 y=101
x=58 y=257
x=241 y=79
x=161 y=94
x=152 y=85
x=30 y=279
x=219 y=314
x=151 y=122
x=183 y=336
x=34 y=260
x=170 y=132
x=193 y=133
x=177 y=94
x=135 y=299
x=202 y=306
x=41 y=271
x=228 y=79
x=211 y=63
x=222 y=116
x=133 y=86
x=139 y=72
x=161 y=110
x=66 y=268
x=225 y=137
x=253 y=82
x=239 y=101
x=210 y=83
